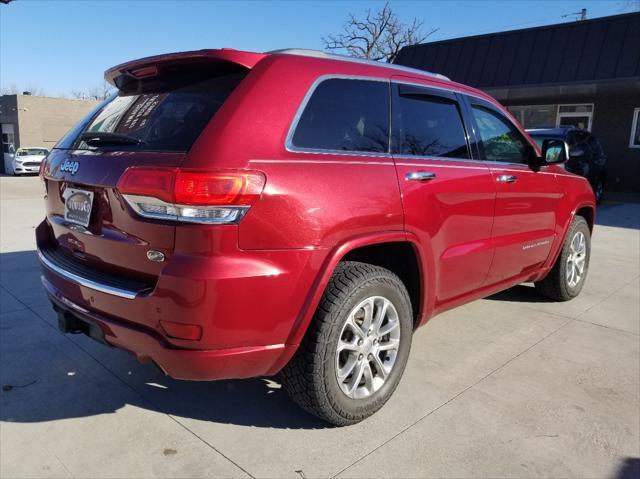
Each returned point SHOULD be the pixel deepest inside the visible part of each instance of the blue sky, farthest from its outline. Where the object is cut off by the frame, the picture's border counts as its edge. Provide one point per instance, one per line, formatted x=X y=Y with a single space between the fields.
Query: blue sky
x=60 y=46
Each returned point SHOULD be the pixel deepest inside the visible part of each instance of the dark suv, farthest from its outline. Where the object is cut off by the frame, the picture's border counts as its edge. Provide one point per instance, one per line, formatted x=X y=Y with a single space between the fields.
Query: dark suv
x=232 y=214
x=586 y=156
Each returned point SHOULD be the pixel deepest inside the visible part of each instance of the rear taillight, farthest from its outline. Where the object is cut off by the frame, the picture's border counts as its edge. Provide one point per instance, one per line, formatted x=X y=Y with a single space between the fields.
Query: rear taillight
x=212 y=197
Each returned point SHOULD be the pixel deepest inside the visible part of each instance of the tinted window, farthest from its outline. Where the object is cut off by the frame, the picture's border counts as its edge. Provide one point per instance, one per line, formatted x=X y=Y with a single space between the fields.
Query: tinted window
x=498 y=138
x=429 y=126
x=167 y=117
x=349 y=115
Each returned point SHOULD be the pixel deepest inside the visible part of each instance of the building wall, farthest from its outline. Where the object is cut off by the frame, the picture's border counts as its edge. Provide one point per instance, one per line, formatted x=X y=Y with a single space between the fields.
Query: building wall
x=42 y=121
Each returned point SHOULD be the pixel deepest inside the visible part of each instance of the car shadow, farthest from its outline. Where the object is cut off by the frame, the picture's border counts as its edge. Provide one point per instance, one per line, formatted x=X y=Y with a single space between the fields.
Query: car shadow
x=521 y=293
x=47 y=376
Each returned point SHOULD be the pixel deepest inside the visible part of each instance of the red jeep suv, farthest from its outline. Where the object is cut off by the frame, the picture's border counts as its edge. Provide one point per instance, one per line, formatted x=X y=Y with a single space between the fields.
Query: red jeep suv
x=230 y=214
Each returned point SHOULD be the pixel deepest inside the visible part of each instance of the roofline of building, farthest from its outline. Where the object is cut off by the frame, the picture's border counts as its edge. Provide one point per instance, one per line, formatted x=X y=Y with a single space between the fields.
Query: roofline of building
x=529 y=29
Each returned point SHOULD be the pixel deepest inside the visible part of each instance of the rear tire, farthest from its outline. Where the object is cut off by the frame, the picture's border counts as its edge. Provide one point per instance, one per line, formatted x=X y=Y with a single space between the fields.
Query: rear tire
x=566 y=279
x=356 y=348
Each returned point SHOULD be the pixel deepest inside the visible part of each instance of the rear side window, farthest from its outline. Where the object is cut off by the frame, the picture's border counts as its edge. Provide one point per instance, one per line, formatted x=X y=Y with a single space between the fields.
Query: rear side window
x=428 y=125
x=166 y=117
x=345 y=115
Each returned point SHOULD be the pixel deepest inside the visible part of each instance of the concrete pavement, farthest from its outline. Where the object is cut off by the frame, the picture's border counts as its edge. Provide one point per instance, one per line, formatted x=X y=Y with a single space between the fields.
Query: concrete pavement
x=508 y=386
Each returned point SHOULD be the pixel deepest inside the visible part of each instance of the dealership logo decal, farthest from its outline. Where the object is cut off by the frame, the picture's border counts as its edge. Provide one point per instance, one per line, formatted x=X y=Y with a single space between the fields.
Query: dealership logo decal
x=70 y=167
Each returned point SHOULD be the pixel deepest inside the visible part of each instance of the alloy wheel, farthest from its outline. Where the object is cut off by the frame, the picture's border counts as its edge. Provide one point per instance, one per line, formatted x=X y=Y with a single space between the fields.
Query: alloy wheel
x=576 y=259
x=367 y=347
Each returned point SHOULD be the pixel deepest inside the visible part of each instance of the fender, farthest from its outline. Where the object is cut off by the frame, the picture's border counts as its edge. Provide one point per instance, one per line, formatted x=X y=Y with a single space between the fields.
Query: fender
x=302 y=321
x=562 y=236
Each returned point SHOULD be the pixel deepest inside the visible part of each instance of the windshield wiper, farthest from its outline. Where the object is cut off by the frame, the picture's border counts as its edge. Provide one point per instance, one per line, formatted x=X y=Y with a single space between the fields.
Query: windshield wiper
x=96 y=138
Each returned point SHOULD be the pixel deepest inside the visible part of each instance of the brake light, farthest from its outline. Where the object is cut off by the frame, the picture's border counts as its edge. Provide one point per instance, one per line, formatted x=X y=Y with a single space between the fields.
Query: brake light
x=154 y=182
x=191 y=196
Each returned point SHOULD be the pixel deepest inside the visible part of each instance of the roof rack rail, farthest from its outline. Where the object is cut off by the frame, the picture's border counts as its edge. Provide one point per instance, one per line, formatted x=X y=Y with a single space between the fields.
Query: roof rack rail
x=304 y=52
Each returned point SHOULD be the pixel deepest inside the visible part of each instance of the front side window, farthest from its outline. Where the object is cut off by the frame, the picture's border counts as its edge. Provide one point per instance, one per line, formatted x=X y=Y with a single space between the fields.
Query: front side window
x=499 y=139
x=345 y=115
x=427 y=125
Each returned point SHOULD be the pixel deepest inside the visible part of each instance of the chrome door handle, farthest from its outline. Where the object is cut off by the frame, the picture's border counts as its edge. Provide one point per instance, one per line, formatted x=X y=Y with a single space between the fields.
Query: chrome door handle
x=420 y=176
x=507 y=178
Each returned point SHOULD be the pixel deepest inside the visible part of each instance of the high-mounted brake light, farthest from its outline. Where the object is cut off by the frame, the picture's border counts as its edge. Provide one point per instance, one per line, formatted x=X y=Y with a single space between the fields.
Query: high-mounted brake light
x=213 y=197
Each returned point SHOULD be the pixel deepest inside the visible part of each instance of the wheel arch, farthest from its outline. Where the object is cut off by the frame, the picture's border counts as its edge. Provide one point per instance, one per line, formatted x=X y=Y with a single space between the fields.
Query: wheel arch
x=370 y=247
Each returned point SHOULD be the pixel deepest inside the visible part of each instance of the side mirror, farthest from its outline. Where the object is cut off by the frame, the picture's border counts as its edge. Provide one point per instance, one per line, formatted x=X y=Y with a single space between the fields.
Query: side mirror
x=555 y=151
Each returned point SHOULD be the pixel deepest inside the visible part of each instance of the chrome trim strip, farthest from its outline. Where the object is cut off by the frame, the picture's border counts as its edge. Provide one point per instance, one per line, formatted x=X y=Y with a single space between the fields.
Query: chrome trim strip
x=87 y=283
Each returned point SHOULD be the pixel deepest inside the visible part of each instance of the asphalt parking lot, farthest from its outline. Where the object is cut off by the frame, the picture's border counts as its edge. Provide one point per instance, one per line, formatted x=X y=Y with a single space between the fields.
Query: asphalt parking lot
x=508 y=386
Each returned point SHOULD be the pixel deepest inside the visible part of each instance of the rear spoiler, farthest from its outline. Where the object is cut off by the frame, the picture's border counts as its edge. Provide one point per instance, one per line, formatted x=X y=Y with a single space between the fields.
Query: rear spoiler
x=152 y=66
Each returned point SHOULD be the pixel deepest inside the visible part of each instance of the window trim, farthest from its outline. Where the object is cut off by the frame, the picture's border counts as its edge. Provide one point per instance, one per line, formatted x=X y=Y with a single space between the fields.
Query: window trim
x=576 y=114
x=634 y=125
x=290 y=147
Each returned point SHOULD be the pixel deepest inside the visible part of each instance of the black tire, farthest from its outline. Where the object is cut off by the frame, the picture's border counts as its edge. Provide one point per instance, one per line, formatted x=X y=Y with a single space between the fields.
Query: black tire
x=556 y=285
x=310 y=378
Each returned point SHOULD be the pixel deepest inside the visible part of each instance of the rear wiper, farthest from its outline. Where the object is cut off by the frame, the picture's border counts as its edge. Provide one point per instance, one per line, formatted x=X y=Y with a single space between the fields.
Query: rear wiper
x=95 y=138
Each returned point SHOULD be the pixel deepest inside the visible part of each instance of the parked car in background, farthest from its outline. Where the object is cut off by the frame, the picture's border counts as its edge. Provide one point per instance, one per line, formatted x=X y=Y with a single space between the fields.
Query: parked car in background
x=232 y=214
x=26 y=160
x=586 y=156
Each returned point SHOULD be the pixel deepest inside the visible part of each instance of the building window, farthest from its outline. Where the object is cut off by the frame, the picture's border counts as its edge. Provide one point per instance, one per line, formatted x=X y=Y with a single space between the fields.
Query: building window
x=535 y=116
x=580 y=116
x=634 y=140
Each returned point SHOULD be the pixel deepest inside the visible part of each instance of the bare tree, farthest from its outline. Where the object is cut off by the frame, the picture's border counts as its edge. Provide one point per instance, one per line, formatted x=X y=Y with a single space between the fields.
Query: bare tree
x=629 y=6
x=380 y=36
x=100 y=92
x=14 y=89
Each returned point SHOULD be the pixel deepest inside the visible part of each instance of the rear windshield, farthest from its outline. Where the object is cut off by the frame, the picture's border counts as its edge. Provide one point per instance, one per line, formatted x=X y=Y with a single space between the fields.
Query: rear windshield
x=167 y=117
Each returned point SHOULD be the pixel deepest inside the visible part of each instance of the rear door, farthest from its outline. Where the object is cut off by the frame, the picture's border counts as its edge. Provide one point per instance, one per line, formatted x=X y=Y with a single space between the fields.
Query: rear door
x=150 y=122
x=527 y=198
x=448 y=197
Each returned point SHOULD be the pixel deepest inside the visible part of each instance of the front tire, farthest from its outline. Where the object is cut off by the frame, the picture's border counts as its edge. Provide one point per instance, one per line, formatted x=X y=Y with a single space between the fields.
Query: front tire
x=566 y=279
x=356 y=348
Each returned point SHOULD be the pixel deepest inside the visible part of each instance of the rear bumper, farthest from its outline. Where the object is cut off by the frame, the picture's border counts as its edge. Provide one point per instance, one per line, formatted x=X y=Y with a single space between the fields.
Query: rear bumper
x=148 y=347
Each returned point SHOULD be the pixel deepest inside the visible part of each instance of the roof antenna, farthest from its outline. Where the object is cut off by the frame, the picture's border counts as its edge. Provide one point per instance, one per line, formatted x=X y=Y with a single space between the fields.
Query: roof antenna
x=582 y=15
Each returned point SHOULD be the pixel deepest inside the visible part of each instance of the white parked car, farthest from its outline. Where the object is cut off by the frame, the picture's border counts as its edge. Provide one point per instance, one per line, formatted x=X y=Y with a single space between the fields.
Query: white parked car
x=26 y=160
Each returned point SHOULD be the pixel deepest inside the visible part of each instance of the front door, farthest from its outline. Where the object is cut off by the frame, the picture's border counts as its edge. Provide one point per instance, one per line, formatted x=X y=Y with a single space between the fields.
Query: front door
x=527 y=197
x=448 y=197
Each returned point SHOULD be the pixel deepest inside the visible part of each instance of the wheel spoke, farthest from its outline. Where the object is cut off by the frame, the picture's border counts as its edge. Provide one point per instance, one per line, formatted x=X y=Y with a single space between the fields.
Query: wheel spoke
x=348 y=345
x=380 y=367
x=389 y=345
x=356 y=377
x=579 y=262
x=354 y=327
x=368 y=315
x=390 y=326
x=380 y=314
x=367 y=373
x=348 y=368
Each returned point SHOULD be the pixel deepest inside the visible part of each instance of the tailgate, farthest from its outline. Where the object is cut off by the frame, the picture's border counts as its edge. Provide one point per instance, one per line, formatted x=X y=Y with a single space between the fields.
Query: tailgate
x=114 y=241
